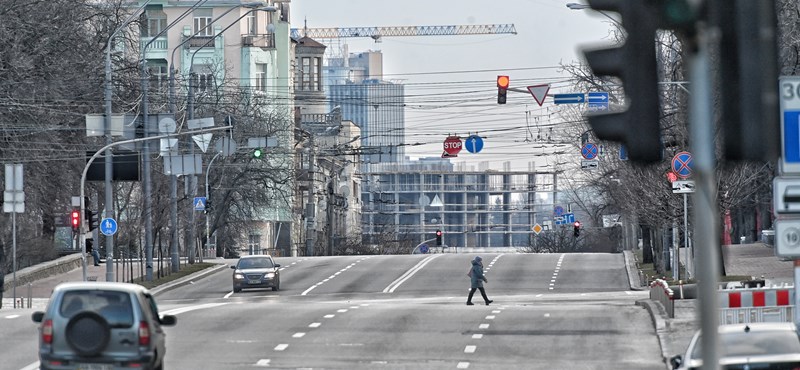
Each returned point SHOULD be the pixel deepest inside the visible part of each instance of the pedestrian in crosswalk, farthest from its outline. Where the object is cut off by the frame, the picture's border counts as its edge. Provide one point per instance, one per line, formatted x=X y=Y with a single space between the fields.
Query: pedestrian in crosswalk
x=477 y=278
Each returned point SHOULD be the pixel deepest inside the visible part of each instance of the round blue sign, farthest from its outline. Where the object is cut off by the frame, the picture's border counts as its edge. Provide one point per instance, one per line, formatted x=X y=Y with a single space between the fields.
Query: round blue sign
x=558 y=211
x=474 y=143
x=589 y=151
x=423 y=249
x=682 y=164
x=108 y=226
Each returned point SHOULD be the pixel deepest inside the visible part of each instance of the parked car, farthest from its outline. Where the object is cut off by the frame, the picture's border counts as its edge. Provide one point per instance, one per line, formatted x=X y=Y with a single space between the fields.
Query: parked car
x=256 y=271
x=763 y=345
x=101 y=325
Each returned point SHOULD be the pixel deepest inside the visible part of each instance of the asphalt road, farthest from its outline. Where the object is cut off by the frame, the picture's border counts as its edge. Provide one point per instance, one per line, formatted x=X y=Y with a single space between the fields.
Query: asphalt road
x=551 y=311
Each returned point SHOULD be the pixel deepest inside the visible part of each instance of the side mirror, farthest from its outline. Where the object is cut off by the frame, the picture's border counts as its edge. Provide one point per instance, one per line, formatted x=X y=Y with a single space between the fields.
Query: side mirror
x=168 y=320
x=277 y=265
x=37 y=316
x=233 y=267
x=676 y=361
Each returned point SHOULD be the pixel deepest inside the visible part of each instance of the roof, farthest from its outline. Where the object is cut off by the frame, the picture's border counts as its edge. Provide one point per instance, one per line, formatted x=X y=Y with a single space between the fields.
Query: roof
x=309 y=42
x=100 y=285
x=255 y=256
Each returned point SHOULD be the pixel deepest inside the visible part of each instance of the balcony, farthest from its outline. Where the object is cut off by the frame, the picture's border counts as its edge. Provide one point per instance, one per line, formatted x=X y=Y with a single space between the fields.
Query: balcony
x=202 y=41
x=264 y=41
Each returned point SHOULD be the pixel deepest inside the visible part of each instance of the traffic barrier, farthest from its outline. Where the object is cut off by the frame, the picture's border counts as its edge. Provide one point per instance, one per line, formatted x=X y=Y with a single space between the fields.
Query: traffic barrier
x=739 y=306
x=660 y=292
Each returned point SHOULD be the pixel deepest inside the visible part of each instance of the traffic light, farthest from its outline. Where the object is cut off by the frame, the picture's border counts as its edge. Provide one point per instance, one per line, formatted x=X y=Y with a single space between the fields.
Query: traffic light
x=438 y=237
x=258 y=153
x=576 y=228
x=75 y=220
x=502 y=89
x=635 y=64
x=91 y=219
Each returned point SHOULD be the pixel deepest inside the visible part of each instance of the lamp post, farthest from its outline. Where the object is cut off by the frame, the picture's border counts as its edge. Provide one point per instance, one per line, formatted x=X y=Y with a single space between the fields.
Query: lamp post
x=576 y=6
x=109 y=167
x=146 y=186
x=208 y=227
x=173 y=183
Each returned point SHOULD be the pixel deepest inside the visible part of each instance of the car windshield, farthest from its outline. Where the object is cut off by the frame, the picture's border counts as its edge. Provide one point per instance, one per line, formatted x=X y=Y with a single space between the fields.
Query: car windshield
x=255 y=263
x=754 y=344
x=114 y=306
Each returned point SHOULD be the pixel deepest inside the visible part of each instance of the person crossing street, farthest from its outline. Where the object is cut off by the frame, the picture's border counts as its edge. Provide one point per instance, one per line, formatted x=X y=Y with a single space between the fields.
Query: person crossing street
x=477 y=278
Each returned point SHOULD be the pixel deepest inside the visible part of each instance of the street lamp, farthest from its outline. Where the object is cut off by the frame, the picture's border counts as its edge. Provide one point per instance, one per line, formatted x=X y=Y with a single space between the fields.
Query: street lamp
x=208 y=227
x=576 y=6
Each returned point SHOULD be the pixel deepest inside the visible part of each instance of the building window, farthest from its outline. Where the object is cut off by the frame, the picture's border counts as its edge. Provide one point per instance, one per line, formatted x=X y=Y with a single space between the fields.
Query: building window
x=202 y=22
x=203 y=78
x=159 y=77
x=154 y=20
x=260 y=83
x=252 y=26
x=254 y=243
x=305 y=74
x=317 y=73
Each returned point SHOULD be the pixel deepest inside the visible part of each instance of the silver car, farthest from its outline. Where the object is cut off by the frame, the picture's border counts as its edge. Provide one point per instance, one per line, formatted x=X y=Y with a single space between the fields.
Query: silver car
x=256 y=271
x=101 y=325
x=763 y=345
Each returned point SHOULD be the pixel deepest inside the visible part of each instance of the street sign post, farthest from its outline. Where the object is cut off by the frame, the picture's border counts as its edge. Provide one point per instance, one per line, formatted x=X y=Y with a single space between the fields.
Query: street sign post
x=790 y=124
x=571 y=98
x=474 y=144
x=598 y=101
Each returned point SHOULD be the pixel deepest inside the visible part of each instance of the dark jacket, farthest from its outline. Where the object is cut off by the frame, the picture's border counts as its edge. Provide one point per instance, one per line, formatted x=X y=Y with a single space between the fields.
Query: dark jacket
x=477 y=277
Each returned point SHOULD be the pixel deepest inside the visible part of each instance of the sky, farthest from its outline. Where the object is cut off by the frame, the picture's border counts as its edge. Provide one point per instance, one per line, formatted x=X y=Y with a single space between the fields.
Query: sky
x=450 y=81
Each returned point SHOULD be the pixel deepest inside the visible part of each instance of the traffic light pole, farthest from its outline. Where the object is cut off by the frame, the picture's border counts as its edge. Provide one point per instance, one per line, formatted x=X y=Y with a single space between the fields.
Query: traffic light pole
x=81 y=236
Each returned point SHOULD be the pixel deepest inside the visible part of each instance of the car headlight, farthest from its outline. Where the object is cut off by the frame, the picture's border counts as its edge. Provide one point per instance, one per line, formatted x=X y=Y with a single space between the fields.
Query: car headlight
x=238 y=276
x=269 y=275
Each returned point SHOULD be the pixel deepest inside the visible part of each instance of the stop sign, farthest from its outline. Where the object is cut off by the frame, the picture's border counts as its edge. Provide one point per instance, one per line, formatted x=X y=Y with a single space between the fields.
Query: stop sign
x=452 y=145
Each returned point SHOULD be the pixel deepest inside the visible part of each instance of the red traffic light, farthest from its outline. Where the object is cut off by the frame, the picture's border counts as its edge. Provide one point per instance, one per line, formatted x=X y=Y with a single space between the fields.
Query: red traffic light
x=75 y=220
x=577 y=224
x=438 y=232
x=502 y=82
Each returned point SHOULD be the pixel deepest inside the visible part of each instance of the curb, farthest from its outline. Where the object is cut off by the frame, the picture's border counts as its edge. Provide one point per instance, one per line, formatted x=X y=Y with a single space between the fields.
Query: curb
x=186 y=279
x=658 y=314
x=630 y=270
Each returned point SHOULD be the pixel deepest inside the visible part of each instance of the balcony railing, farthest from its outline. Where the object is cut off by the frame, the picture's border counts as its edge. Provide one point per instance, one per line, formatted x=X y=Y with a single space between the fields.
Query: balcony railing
x=202 y=41
x=264 y=41
x=159 y=44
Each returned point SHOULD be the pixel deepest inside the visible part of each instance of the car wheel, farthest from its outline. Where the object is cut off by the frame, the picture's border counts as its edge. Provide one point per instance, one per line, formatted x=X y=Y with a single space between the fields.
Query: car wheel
x=277 y=286
x=237 y=290
x=88 y=333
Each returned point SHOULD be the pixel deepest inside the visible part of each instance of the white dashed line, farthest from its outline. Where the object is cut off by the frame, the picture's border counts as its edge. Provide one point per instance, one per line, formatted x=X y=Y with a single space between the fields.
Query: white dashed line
x=496 y=311
x=490 y=317
x=463 y=365
x=408 y=274
x=12 y=316
x=470 y=349
x=281 y=347
x=264 y=362
x=483 y=326
x=298 y=335
x=477 y=336
x=547 y=315
x=315 y=325
x=330 y=316
x=538 y=295
x=343 y=310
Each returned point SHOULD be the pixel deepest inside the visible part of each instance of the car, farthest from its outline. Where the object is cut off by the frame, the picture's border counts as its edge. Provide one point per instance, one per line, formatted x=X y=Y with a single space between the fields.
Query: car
x=101 y=325
x=256 y=271
x=762 y=345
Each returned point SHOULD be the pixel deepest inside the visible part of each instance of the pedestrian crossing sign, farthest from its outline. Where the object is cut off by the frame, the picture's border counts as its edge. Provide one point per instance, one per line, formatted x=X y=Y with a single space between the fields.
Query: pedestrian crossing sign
x=200 y=203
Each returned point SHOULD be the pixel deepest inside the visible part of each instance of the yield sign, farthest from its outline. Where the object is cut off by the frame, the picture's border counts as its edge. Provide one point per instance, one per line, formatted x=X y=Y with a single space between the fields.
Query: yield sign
x=539 y=92
x=203 y=140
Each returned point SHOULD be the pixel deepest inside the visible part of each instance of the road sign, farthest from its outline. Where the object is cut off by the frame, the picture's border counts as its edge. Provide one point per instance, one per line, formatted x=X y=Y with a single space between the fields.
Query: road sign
x=623 y=153
x=560 y=220
x=787 y=237
x=571 y=98
x=589 y=151
x=598 y=101
x=790 y=124
x=558 y=210
x=590 y=164
x=452 y=145
x=537 y=229
x=423 y=248
x=199 y=203
x=786 y=195
x=474 y=144
x=683 y=187
x=569 y=218
x=108 y=226
x=539 y=92
x=682 y=164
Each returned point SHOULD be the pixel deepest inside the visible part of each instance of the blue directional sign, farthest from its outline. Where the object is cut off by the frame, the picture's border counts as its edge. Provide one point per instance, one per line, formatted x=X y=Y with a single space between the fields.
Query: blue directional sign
x=200 y=203
x=569 y=218
x=571 y=98
x=558 y=210
x=791 y=133
x=623 y=153
x=598 y=101
x=682 y=164
x=790 y=124
x=108 y=226
x=589 y=151
x=474 y=143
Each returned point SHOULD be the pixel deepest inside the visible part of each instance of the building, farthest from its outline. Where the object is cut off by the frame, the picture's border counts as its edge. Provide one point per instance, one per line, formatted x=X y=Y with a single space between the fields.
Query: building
x=473 y=208
x=222 y=42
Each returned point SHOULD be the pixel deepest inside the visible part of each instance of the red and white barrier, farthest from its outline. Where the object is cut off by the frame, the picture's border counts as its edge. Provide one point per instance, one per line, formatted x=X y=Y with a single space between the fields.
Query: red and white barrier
x=764 y=297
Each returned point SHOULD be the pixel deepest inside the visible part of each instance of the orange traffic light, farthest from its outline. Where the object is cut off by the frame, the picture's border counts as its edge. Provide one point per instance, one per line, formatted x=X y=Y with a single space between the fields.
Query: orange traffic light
x=502 y=89
x=502 y=82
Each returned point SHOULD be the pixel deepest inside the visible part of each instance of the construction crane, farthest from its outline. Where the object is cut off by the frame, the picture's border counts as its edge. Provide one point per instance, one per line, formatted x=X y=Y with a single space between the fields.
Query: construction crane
x=376 y=33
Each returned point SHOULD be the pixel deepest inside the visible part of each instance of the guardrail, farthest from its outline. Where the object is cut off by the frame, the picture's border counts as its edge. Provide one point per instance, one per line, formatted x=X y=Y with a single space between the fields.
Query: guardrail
x=660 y=292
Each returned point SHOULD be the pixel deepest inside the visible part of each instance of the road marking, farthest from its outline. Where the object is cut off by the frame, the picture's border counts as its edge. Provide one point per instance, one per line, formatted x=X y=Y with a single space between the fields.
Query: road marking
x=281 y=347
x=305 y=292
x=483 y=326
x=343 y=310
x=33 y=366
x=298 y=335
x=477 y=336
x=12 y=316
x=470 y=349
x=353 y=307
x=538 y=295
x=547 y=315
x=315 y=325
x=490 y=317
x=364 y=304
x=228 y=295
x=402 y=279
x=551 y=288
x=551 y=284
x=181 y=310
x=463 y=365
x=264 y=362
x=330 y=316
x=496 y=311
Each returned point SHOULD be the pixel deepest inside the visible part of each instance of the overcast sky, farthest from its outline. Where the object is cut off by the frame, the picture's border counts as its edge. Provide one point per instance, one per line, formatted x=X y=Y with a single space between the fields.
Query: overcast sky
x=451 y=80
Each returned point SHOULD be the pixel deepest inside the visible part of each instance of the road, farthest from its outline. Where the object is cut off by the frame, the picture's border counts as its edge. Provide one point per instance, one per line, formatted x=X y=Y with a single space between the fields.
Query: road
x=551 y=311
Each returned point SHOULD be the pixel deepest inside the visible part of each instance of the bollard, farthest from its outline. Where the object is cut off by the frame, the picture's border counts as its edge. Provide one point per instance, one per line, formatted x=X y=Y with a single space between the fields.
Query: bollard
x=30 y=295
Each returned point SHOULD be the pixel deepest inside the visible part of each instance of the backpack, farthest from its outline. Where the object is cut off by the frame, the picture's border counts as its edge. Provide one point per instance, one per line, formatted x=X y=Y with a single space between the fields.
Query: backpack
x=470 y=272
